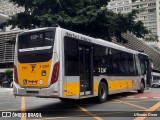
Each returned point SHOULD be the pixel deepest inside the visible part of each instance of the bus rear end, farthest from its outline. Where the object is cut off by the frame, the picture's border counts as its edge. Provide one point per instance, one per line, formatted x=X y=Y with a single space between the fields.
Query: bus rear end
x=36 y=65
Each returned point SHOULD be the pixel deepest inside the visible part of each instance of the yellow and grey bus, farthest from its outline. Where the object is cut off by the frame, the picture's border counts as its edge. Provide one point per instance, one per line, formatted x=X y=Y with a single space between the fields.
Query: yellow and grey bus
x=58 y=63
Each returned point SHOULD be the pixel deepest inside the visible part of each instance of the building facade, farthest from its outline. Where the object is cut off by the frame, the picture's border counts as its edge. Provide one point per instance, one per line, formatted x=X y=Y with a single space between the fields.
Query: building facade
x=149 y=12
x=6 y=50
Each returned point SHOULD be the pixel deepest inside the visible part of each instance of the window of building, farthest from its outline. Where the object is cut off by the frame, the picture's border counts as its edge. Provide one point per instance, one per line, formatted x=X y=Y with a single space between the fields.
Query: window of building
x=119 y=9
x=152 y=29
x=143 y=5
x=135 y=6
x=127 y=8
x=152 y=17
x=126 y=2
x=151 y=10
x=143 y=11
x=114 y=9
x=112 y=4
x=143 y=18
x=152 y=4
x=120 y=3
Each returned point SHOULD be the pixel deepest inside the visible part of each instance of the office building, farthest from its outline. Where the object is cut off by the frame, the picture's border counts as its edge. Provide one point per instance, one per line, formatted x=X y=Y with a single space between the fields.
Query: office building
x=149 y=13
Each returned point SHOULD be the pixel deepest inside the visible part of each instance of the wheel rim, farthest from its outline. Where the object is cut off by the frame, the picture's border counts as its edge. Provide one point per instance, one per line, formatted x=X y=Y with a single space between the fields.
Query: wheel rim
x=102 y=93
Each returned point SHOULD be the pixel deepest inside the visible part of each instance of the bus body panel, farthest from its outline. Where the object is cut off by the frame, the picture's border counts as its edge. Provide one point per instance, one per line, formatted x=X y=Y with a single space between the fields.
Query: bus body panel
x=25 y=70
x=34 y=74
x=69 y=86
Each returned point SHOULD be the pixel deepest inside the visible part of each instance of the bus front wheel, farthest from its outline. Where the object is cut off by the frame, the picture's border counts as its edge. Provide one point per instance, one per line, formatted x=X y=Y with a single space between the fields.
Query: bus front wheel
x=102 y=92
x=142 y=88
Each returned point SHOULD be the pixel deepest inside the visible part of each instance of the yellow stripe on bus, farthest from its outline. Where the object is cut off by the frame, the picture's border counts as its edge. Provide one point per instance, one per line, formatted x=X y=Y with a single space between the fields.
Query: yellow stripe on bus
x=33 y=73
x=119 y=84
x=73 y=88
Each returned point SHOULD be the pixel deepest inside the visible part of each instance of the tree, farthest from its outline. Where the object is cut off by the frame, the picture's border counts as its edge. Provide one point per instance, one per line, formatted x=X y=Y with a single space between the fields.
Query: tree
x=8 y=73
x=151 y=38
x=89 y=17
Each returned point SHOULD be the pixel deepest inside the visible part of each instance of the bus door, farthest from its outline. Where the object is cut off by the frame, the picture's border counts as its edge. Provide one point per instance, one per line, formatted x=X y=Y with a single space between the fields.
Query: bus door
x=145 y=69
x=86 y=72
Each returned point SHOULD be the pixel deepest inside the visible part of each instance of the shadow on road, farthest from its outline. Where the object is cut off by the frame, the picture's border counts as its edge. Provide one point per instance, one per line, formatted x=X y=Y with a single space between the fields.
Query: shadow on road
x=70 y=108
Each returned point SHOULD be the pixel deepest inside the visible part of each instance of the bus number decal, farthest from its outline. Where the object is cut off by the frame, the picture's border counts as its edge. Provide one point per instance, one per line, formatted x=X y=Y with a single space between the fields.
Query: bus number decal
x=44 y=66
x=102 y=70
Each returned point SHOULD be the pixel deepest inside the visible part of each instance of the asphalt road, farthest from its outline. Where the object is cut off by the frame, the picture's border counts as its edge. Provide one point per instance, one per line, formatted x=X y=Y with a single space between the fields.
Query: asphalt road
x=126 y=106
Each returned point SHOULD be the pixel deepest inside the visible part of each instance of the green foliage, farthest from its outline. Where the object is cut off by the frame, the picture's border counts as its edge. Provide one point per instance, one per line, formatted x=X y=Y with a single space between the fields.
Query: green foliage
x=8 y=73
x=83 y=16
x=134 y=0
x=151 y=38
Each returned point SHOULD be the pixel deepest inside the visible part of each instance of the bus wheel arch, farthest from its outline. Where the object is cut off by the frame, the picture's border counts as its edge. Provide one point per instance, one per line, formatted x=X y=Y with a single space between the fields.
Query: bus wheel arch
x=102 y=91
x=142 y=86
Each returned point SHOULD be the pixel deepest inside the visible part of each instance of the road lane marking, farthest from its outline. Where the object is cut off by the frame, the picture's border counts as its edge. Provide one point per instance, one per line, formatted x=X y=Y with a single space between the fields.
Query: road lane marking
x=18 y=102
x=6 y=97
x=133 y=101
x=23 y=108
x=141 y=100
x=131 y=104
x=151 y=109
x=8 y=109
x=88 y=112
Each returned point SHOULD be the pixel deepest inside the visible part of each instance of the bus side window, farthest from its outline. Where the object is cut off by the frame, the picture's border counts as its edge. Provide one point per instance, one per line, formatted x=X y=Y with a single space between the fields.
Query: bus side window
x=143 y=67
x=118 y=62
x=71 y=57
x=143 y=64
x=100 y=62
x=131 y=70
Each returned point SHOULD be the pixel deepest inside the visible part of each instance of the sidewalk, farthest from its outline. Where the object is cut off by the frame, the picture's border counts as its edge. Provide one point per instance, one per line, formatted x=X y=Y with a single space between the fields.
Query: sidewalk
x=6 y=90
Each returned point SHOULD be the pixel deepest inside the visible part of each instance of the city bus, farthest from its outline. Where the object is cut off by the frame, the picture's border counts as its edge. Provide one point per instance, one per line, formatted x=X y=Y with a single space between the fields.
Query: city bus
x=54 y=62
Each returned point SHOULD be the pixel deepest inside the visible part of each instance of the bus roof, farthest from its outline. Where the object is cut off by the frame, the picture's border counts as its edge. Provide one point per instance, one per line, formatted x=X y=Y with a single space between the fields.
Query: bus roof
x=34 y=30
x=92 y=40
x=108 y=44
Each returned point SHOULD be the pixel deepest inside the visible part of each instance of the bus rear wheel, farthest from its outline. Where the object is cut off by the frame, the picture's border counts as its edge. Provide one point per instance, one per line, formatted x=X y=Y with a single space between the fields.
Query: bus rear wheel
x=102 y=92
x=65 y=99
x=142 y=88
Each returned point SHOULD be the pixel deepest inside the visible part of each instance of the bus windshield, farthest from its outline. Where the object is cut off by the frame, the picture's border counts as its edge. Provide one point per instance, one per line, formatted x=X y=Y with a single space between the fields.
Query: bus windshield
x=36 y=46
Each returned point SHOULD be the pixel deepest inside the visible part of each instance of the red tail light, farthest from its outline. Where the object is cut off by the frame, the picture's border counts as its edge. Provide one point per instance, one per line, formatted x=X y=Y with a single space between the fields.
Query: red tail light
x=15 y=74
x=55 y=72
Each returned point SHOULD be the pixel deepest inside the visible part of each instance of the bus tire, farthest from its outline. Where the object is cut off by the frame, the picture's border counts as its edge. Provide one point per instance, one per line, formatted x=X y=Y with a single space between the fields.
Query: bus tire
x=65 y=99
x=142 y=88
x=102 y=92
